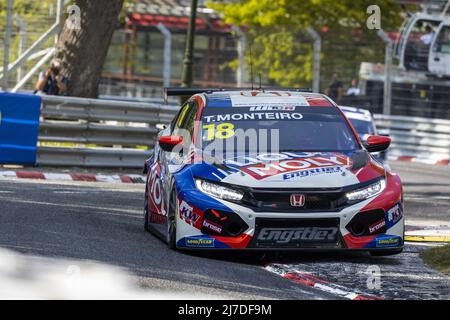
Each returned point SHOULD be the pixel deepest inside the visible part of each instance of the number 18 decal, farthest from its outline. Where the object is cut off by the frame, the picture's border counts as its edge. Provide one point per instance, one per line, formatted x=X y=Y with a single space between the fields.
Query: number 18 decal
x=220 y=131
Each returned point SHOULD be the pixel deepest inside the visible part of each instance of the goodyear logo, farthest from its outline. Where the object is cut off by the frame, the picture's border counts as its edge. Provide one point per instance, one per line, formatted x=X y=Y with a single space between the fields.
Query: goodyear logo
x=196 y=242
x=388 y=242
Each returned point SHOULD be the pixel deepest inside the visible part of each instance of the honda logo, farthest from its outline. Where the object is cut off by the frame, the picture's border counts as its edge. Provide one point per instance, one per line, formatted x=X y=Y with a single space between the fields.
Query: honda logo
x=297 y=200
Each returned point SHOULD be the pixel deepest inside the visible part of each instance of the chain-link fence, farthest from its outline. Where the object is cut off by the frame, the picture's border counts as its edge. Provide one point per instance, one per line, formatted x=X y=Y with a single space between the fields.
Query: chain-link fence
x=30 y=20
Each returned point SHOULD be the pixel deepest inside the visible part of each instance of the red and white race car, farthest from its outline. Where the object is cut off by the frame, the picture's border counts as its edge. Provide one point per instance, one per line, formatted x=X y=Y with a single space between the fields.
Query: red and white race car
x=316 y=186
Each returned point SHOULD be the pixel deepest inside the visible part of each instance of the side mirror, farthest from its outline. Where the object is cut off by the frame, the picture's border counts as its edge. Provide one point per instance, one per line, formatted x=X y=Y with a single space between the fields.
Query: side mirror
x=167 y=143
x=376 y=143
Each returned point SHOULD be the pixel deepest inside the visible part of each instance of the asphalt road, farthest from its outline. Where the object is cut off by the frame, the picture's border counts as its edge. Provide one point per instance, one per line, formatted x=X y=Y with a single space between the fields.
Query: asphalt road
x=103 y=222
x=427 y=190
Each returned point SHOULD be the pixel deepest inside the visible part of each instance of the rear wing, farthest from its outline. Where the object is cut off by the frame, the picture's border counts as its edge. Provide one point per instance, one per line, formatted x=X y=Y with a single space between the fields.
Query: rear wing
x=178 y=92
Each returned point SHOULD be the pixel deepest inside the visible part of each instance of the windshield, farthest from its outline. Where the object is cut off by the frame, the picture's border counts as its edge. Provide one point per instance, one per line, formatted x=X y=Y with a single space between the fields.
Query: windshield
x=290 y=128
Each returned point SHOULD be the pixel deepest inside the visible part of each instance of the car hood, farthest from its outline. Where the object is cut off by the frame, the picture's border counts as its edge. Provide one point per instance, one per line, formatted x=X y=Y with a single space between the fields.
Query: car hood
x=292 y=170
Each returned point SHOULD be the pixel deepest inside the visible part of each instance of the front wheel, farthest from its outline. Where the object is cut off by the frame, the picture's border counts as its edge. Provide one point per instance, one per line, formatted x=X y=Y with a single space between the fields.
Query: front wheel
x=172 y=221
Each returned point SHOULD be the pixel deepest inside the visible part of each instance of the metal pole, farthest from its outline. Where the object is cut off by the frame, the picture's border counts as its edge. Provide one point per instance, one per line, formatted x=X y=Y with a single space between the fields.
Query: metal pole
x=187 y=63
x=59 y=19
x=9 y=7
x=387 y=104
x=316 y=60
x=241 y=54
x=167 y=53
x=23 y=41
x=30 y=51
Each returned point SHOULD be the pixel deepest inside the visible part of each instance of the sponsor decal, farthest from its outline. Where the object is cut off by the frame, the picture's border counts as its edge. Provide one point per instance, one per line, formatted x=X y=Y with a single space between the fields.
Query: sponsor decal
x=287 y=165
x=297 y=200
x=292 y=235
x=312 y=172
x=212 y=226
x=157 y=218
x=273 y=108
x=389 y=241
x=253 y=116
x=155 y=190
x=377 y=226
x=270 y=157
x=394 y=215
x=269 y=94
x=267 y=99
x=199 y=242
x=187 y=213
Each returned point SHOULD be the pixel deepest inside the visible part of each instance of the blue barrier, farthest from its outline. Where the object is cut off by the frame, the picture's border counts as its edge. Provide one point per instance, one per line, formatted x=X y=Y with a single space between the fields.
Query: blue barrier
x=19 y=128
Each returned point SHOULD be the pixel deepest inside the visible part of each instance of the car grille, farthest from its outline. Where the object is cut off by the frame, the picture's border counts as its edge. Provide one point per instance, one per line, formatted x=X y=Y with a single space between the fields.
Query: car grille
x=279 y=199
x=297 y=234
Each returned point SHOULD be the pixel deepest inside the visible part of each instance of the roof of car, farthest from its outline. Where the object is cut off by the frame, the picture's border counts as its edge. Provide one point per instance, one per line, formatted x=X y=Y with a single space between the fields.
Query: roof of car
x=265 y=98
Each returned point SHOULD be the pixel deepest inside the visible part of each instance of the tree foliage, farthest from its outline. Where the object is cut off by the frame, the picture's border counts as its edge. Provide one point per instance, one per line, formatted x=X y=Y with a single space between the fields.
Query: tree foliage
x=83 y=50
x=282 y=49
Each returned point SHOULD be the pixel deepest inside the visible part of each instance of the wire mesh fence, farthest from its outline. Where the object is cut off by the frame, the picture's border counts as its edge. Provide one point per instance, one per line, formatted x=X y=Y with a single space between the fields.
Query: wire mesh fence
x=30 y=20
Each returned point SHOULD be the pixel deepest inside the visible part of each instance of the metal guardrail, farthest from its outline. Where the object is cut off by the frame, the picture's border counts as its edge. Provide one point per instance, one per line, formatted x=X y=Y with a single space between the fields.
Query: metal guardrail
x=98 y=133
x=417 y=137
x=112 y=133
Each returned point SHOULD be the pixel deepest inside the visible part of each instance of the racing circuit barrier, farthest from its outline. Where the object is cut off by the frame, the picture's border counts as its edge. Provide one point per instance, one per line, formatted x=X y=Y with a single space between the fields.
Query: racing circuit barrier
x=111 y=133
x=98 y=133
x=421 y=138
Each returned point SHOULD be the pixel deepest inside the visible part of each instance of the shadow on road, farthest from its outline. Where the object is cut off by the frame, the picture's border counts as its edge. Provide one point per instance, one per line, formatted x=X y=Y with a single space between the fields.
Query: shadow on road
x=265 y=257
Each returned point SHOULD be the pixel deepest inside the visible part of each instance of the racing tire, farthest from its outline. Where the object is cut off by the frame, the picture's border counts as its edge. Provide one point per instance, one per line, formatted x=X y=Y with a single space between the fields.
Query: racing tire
x=146 y=224
x=172 y=221
x=382 y=253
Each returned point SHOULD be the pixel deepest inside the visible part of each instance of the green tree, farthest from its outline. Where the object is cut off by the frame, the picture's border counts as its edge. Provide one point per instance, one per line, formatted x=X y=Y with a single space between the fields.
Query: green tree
x=83 y=50
x=282 y=50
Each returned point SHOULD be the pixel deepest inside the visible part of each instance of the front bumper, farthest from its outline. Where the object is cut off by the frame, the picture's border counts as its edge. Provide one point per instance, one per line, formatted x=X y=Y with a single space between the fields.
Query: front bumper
x=381 y=218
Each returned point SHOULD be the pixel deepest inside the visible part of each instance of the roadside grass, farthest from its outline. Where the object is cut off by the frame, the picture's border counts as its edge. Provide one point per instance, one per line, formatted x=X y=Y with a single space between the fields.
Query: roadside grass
x=438 y=258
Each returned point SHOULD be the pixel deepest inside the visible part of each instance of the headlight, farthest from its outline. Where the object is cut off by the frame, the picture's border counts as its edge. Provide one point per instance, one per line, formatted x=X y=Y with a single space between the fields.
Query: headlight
x=219 y=191
x=367 y=192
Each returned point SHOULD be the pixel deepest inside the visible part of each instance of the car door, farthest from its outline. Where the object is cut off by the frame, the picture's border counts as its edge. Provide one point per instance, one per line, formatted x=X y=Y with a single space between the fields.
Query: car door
x=158 y=180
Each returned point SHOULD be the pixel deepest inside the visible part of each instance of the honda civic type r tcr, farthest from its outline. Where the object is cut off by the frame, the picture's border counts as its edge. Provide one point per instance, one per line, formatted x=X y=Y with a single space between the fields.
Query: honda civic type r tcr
x=300 y=179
